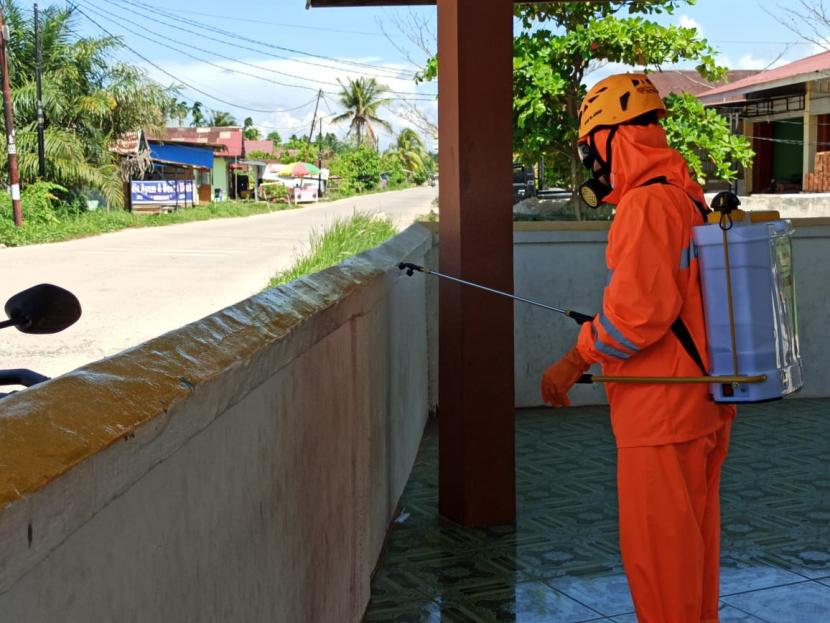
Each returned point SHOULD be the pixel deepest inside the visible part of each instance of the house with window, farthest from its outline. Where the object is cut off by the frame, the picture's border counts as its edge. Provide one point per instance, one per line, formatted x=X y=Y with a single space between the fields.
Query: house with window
x=785 y=112
x=225 y=160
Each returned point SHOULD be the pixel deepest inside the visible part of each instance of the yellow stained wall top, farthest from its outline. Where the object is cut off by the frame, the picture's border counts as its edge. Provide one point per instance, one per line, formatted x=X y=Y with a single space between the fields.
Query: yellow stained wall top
x=47 y=430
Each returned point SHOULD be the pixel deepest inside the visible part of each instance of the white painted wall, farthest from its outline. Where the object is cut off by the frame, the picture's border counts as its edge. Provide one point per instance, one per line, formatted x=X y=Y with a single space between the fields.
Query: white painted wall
x=263 y=494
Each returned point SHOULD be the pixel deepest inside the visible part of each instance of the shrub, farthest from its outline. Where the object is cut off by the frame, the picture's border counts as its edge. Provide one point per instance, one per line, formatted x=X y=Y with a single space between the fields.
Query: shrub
x=359 y=169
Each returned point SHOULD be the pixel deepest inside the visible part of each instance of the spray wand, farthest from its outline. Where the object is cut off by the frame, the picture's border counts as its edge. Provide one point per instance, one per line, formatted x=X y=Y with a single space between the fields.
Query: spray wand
x=580 y=319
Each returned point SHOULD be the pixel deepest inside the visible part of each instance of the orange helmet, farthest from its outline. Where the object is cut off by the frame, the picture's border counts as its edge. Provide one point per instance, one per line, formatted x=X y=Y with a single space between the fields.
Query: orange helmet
x=618 y=99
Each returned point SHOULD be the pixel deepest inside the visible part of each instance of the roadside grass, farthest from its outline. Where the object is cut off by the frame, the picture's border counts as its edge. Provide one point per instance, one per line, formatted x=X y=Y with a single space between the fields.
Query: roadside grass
x=338 y=242
x=86 y=224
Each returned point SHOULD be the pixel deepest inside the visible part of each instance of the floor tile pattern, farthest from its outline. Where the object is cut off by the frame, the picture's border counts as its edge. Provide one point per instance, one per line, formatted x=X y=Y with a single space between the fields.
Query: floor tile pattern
x=560 y=561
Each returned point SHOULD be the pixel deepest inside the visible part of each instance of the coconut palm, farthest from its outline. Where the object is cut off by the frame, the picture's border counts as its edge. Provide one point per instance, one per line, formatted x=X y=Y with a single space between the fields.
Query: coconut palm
x=411 y=153
x=250 y=131
x=222 y=119
x=88 y=100
x=362 y=98
x=179 y=110
x=197 y=115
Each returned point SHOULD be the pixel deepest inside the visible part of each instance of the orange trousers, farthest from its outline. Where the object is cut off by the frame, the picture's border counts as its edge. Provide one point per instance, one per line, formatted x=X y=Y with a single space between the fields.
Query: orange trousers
x=670 y=527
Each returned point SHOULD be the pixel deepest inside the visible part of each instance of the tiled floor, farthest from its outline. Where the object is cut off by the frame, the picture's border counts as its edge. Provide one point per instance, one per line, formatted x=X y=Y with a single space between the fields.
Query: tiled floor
x=560 y=562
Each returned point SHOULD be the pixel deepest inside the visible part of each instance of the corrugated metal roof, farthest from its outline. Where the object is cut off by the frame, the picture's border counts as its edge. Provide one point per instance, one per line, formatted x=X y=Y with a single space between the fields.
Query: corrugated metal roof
x=803 y=70
x=187 y=155
x=689 y=81
x=230 y=138
x=263 y=145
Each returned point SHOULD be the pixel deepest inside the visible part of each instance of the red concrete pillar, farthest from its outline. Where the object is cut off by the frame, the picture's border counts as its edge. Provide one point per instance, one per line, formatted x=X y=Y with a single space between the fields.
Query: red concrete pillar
x=476 y=397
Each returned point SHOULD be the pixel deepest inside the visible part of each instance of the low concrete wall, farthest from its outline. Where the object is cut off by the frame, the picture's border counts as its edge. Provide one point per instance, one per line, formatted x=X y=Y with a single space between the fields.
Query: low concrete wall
x=801 y=205
x=563 y=264
x=242 y=468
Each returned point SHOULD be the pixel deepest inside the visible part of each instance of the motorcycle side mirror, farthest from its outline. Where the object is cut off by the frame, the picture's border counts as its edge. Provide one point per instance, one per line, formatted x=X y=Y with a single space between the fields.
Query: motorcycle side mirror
x=43 y=308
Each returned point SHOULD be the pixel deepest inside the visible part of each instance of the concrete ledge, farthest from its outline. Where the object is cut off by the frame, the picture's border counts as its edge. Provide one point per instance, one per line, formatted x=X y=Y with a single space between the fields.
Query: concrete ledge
x=123 y=479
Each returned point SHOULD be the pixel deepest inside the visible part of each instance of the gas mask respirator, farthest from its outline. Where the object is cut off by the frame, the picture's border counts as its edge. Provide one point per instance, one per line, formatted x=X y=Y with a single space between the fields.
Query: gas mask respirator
x=599 y=186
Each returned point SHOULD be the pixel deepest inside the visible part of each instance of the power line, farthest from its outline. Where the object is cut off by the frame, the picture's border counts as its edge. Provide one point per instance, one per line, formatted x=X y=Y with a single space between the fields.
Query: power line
x=229 y=58
x=283 y=24
x=113 y=19
x=179 y=80
x=116 y=20
x=235 y=45
x=376 y=68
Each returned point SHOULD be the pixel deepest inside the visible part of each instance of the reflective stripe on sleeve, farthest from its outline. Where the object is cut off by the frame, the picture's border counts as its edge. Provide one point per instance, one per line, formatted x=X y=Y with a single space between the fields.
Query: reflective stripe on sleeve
x=611 y=330
x=606 y=349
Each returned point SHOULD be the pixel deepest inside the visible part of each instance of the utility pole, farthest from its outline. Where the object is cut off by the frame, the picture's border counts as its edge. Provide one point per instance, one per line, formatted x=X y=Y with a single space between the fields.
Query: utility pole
x=8 y=110
x=314 y=120
x=41 y=148
x=320 y=162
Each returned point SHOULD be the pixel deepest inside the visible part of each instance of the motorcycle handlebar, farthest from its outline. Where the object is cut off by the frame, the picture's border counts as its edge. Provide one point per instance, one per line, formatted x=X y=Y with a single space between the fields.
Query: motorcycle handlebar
x=21 y=376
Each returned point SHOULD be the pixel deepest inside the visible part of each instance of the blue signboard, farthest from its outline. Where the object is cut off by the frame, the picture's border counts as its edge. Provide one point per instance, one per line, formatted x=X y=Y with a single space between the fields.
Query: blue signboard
x=162 y=192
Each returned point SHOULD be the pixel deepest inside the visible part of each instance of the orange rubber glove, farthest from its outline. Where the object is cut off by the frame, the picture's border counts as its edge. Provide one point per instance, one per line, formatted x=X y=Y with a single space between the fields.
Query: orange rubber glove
x=561 y=376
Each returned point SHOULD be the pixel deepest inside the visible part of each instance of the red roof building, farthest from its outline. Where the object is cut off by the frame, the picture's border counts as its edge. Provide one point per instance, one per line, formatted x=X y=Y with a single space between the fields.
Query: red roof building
x=230 y=138
x=263 y=145
x=690 y=81
x=785 y=113
x=793 y=74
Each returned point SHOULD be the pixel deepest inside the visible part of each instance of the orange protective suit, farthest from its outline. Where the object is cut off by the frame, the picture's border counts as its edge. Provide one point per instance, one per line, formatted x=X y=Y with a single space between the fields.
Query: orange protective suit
x=671 y=439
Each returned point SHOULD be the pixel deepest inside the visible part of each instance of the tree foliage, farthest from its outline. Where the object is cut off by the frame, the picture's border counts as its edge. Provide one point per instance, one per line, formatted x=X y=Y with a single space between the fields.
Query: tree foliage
x=359 y=169
x=560 y=44
x=362 y=99
x=88 y=101
x=700 y=134
x=409 y=155
x=249 y=131
x=222 y=119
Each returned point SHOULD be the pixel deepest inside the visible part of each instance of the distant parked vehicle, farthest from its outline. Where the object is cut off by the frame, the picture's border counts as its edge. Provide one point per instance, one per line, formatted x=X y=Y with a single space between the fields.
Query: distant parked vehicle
x=524 y=182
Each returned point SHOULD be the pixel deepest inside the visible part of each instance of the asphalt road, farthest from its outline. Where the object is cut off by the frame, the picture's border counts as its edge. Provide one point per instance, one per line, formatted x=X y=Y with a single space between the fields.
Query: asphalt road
x=137 y=284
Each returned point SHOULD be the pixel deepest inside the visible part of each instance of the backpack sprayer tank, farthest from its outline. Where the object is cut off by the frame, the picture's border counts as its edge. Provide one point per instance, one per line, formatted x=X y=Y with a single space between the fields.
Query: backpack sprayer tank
x=746 y=272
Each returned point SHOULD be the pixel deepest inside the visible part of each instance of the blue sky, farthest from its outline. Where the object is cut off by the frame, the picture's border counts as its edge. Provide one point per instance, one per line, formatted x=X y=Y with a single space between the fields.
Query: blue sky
x=330 y=44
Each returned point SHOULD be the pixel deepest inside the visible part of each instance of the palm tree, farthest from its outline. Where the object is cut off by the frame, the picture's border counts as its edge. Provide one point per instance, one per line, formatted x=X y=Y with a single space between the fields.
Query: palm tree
x=88 y=100
x=179 y=111
x=222 y=119
x=362 y=98
x=409 y=149
x=250 y=132
x=197 y=115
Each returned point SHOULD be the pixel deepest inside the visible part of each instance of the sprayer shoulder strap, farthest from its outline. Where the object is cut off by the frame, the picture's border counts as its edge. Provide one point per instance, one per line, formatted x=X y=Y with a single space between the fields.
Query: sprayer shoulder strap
x=678 y=327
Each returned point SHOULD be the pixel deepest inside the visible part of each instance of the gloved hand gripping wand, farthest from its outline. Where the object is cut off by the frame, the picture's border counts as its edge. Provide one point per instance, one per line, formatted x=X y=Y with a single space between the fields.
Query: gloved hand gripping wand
x=580 y=319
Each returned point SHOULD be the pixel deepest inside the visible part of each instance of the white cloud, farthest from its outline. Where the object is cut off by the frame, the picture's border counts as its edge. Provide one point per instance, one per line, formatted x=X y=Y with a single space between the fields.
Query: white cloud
x=600 y=71
x=687 y=22
x=284 y=107
x=748 y=61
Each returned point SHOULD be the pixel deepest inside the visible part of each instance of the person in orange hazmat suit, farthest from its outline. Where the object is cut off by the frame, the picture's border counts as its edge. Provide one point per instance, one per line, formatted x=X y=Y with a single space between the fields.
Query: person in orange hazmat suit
x=671 y=439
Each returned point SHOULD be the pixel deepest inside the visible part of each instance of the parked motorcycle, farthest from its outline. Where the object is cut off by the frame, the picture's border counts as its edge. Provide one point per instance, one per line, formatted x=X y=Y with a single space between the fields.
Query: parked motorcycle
x=41 y=309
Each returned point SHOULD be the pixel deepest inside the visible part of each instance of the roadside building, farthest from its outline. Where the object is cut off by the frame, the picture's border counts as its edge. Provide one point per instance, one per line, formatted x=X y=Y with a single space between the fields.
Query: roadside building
x=225 y=161
x=690 y=81
x=163 y=175
x=180 y=177
x=785 y=112
x=265 y=146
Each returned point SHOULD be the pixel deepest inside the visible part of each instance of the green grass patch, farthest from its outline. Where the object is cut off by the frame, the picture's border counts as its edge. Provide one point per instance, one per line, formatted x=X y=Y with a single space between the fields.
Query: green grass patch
x=69 y=226
x=338 y=242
